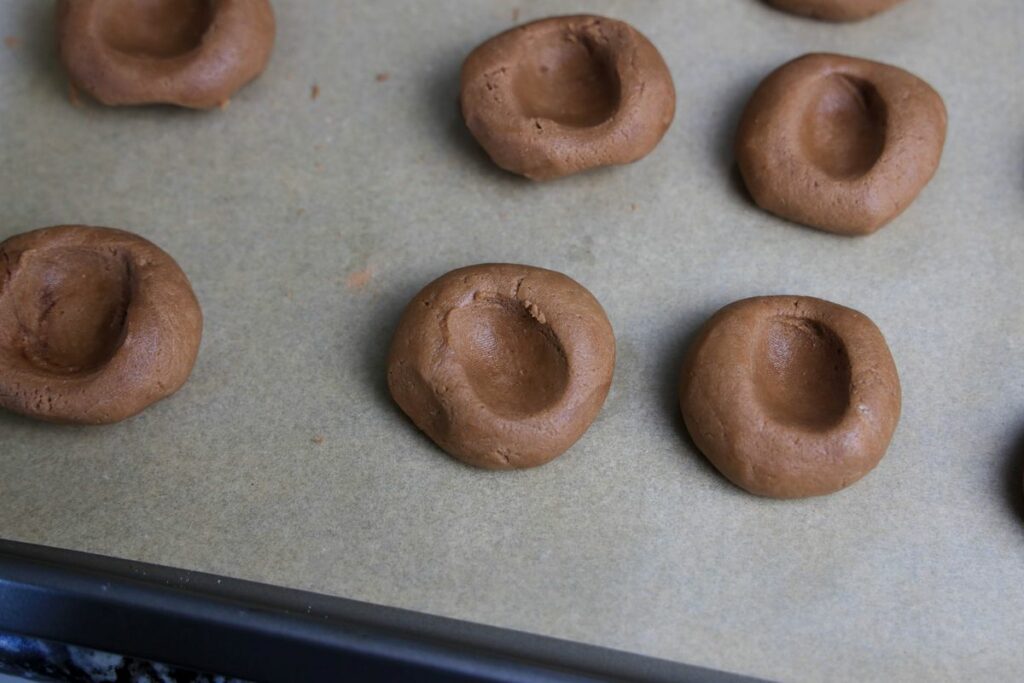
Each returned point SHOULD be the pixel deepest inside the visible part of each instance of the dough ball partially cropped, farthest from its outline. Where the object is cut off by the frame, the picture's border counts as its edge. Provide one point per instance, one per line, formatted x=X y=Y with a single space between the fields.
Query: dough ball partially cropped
x=834 y=10
x=840 y=144
x=191 y=53
x=503 y=366
x=96 y=324
x=561 y=95
x=790 y=396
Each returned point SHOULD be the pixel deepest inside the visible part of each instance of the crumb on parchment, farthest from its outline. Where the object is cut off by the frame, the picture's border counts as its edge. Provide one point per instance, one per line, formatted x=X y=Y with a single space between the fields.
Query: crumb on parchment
x=359 y=279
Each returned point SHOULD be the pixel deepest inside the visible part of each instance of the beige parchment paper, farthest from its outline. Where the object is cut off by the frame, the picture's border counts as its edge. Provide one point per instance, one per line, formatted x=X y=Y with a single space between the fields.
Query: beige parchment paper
x=306 y=224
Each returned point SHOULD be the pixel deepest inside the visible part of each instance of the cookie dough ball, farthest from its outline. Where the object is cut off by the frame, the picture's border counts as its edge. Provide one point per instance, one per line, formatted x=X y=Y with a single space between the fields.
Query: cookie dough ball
x=790 y=396
x=834 y=10
x=95 y=325
x=192 y=53
x=840 y=144
x=503 y=366
x=561 y=95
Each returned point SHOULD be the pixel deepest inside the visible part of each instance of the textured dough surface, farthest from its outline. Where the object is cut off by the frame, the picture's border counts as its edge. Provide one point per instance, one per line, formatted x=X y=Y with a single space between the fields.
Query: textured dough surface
x=96 y=324
x=840 y=144
x=790 y=396
x=191 y=53
x=564 y=94
x=503 y=366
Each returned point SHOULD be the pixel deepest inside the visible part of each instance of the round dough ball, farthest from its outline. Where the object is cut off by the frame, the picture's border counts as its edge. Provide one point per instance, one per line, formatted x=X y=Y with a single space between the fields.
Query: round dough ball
x=834 y=10
x=503 y=366
x=565 y=94
x=96 y=324
x=840 y=144
x=790 y=396
x=191 y=53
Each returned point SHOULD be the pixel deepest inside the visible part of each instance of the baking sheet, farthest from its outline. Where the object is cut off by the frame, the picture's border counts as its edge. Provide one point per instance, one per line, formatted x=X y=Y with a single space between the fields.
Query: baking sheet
x=306 y=224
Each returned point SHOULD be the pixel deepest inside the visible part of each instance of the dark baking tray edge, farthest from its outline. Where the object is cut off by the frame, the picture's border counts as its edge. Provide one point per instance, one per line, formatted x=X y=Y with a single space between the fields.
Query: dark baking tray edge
x=262 y=632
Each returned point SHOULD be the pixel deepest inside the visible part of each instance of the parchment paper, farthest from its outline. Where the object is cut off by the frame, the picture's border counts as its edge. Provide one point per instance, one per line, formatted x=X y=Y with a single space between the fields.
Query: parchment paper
x=306 y=225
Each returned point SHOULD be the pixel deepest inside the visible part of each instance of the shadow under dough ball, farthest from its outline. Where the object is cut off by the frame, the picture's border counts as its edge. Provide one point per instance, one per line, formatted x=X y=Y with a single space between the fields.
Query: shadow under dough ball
x=561 y=95
x=190 y=53
x=834 y=10
x=790 y=396
x=840 y=144
x=503 y=366
x=96 y=324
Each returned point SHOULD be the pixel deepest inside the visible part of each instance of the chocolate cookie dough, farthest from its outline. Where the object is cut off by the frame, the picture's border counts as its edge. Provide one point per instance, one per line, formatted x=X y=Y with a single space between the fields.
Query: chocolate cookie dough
x=503 y=366
x=839 y=143
x=790 y=396
x=192 y=53
x=561 y=95
x=834 y=10
x=95 y=324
